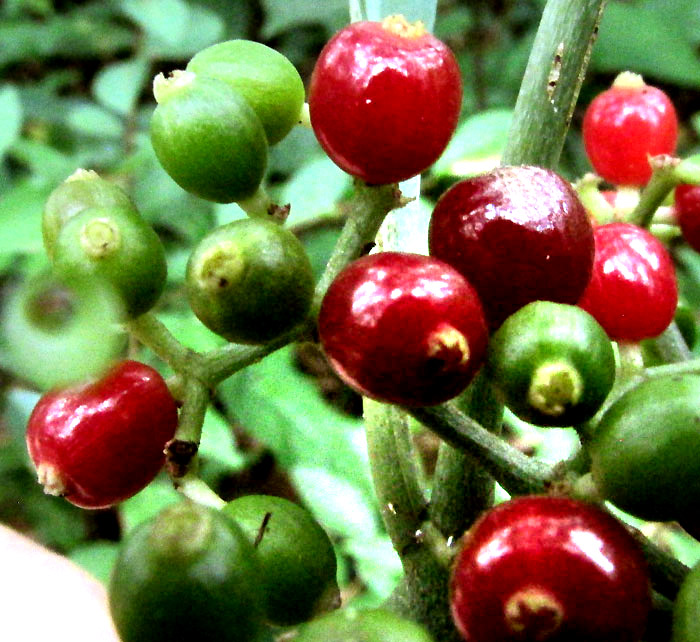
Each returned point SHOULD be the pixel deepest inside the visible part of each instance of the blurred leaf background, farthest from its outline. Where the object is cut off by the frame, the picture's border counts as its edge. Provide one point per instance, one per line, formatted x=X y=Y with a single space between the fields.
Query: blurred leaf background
x=75 y=91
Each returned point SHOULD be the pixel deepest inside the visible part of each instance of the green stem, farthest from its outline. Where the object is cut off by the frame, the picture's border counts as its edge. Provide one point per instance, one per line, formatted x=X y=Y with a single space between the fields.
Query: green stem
x=194 y=408
x=366 y=212
x=517 y=473
x=552 y=81
x=662 y=181
x=400 y=499
x=672 y=346
x=463 y=489
x=152 y=333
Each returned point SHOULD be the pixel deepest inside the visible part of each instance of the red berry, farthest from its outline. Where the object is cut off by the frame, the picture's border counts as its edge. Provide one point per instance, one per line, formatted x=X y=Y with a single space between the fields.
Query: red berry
x=632 y=292
x=517 y=234
x=624 y=126
x=687 y=206
x=102 y=442
x=384 y=99
x=549 y=568
x=403 y=328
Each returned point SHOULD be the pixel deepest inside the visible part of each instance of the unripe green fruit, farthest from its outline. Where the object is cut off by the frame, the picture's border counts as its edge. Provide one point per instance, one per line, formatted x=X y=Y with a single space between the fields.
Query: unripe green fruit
x=263 y=76
x=686 y=609
x=117 y=245
x=552 y=364
x=81 y=190
x=188 y=574
x=207 y=137
x=644 y=453
x=297 y=558
x=250 y=281
x=352 y=625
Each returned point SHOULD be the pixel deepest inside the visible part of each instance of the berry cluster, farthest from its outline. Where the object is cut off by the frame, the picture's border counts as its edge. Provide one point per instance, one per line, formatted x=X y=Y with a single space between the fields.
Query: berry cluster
x=545 y=298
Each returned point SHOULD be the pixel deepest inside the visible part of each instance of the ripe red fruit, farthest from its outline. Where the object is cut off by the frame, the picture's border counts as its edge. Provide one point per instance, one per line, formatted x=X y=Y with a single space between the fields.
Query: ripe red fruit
x=549 y=568
x=687 y=207
x=517 y=234
x=633 y=292
x=624 y=126
x=403 y=328
x=102 y=442
x=384 y=99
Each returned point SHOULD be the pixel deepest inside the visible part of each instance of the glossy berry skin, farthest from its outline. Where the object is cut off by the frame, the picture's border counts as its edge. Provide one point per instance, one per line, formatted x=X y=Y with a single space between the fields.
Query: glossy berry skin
x=384 y=99
x=549 y=568
x=624 y=126
x=644 y=452
x=403 y=328
x=297 y=560
x=250 y=281
x=686 y=609
x=207 y=137
x=517 y=234
x=187 y=554
x=551 y=363
x=632 y=292
x=102 y=442
x=369 y=625
x=687 y=207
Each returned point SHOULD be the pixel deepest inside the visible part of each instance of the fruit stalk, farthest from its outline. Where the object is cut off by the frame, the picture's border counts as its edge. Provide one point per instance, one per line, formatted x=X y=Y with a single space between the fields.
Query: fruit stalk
x=552 y=81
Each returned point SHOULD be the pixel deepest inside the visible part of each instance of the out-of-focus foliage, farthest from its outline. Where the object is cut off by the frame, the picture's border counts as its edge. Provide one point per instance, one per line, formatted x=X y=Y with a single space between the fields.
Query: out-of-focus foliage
x=75 y=91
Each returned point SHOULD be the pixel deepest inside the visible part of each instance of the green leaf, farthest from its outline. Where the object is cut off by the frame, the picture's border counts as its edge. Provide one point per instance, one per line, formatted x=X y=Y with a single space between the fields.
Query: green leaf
x=477 y=144
x=282 y=408
x=147 y=503
x=118 y=85
x=188 y=330
x=96 y=558
x=10 y=116
x=314 y=189
x=20 y=217
x=47 y=165
x=179 y=34
x=218 y=444
x=282 y=15
x=335 y=502
x=90 y=119
x=377 y=563
x=165 y=20
x=661 y=46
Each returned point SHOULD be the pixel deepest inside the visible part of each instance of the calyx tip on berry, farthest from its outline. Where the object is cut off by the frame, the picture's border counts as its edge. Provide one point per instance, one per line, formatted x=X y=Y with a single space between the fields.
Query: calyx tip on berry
x=218 y=267
x=534 y=613
x=51 y=479
x=100 y=237
x=629 y=80
x=449 y=346
x=554 y=387
x=399 y=26
x=164 y=87
x=81 y=174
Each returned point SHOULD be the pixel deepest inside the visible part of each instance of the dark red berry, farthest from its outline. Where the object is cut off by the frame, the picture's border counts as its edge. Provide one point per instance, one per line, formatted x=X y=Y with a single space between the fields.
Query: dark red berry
x=102 y=442
x=632 y=292
x=517 y=234
x=687 y=207
x=384 y=99
x=403 y=328
x=624 y=126
x=549 y=568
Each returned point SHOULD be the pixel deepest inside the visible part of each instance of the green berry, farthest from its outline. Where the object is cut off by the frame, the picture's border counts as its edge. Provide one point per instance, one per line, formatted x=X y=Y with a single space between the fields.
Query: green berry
x=263 y=76
x=297 y=558
x=81 y=190
x=353 y=625
x=117 y=245
x=190 y=573
x=552 y=364
x=686 y=609
x=207 y=137
x=644 y=453
x=250 y=281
